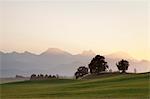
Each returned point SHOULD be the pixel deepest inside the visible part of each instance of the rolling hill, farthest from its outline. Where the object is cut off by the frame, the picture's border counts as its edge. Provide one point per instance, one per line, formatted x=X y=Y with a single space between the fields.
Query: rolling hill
x=121 y=86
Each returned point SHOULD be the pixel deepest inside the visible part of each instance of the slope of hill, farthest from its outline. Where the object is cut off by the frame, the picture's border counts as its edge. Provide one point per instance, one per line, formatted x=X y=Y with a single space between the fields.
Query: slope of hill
x=57 y=61
x=129 y=86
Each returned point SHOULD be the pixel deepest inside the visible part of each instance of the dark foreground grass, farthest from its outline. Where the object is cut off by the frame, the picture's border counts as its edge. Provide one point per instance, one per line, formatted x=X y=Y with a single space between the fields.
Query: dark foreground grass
x=127 y=86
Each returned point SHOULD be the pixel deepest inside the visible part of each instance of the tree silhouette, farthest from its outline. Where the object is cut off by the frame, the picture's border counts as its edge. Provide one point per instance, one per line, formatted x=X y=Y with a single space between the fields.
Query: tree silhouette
x=123 y=65
x=41 y=76
x=50 y=76
x=46 y=76
x=53 y=76
x=81 y=71
x=98 y=64
x=33 y=77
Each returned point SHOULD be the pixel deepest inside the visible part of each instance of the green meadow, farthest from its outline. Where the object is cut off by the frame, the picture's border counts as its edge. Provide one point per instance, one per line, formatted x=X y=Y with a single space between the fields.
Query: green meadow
x=121 y=86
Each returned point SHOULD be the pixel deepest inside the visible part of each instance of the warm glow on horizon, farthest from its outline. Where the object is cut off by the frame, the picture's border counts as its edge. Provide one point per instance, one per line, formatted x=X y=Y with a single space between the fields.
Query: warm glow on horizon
x=102 y=26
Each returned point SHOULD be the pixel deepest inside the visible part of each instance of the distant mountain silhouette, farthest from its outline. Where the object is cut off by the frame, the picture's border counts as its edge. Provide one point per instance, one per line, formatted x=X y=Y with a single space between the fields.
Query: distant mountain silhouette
x=55 y=51
x=119 y=55
x=57 y=61
x=88 y=53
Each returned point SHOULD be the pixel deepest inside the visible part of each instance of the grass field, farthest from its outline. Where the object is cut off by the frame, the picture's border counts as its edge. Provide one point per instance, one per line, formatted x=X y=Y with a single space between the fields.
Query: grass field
x=122 y=86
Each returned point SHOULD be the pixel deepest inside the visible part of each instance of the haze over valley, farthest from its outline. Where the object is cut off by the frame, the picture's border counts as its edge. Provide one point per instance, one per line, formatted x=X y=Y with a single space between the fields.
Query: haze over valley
x=57 y=61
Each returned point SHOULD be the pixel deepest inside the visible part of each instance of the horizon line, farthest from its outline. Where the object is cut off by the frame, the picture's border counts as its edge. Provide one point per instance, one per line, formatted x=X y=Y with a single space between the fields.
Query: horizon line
x=81 y=53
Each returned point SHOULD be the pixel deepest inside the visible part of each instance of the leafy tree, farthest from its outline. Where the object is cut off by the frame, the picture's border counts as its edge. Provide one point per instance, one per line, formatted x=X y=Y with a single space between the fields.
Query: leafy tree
x=53 y=76
x=41 y=76
x=46 y=76
x=33 y=77
x=49 y=76
x=123 y=65
x=98 y=65
x=81 y=71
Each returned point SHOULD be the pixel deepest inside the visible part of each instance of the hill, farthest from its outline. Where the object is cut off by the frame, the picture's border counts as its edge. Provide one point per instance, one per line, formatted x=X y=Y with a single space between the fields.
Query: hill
x=126 y=86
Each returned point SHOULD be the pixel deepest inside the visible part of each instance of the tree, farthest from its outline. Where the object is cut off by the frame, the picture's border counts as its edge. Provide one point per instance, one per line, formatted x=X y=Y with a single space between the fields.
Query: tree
x=50 y=76
x=33 y=77
x=81 y=71
x=53 y=76
x=123 y=65
x=46 y=76
x=98 y=65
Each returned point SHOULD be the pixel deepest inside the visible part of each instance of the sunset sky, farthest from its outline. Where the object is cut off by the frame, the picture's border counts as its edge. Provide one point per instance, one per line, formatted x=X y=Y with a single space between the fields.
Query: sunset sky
x=104 y=26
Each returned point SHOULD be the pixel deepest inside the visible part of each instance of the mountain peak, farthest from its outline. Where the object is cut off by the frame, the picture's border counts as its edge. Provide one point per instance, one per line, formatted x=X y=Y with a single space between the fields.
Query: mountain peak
x=1 y=52
x=55 y=51
x=88 y=53
x=120 y=55
x=14 y=52
x=27 y=53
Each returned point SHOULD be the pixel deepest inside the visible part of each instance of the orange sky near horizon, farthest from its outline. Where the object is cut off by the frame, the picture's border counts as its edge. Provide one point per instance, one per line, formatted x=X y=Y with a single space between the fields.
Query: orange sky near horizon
x=102 y=26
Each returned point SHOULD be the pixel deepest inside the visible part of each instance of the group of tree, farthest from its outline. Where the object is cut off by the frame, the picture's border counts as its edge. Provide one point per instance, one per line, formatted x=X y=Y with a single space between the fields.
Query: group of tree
x=81 y=71
x=41 y=76
x=98 y=65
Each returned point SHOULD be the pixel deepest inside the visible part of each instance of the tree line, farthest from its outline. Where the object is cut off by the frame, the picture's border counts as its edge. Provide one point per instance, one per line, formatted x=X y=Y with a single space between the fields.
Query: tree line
x=99 y=65
x=41 y=76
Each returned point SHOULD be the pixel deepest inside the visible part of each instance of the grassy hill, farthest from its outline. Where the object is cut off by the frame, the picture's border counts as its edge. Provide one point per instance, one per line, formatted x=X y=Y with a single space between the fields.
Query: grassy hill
x=121 y=86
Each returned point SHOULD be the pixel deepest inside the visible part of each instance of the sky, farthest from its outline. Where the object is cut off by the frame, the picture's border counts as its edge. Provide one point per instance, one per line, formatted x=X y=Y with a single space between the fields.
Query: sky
x=104 y=26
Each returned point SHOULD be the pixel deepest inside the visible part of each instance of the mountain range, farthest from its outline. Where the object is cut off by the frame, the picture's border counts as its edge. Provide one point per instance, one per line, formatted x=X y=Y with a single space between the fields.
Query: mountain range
x=57 y=61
